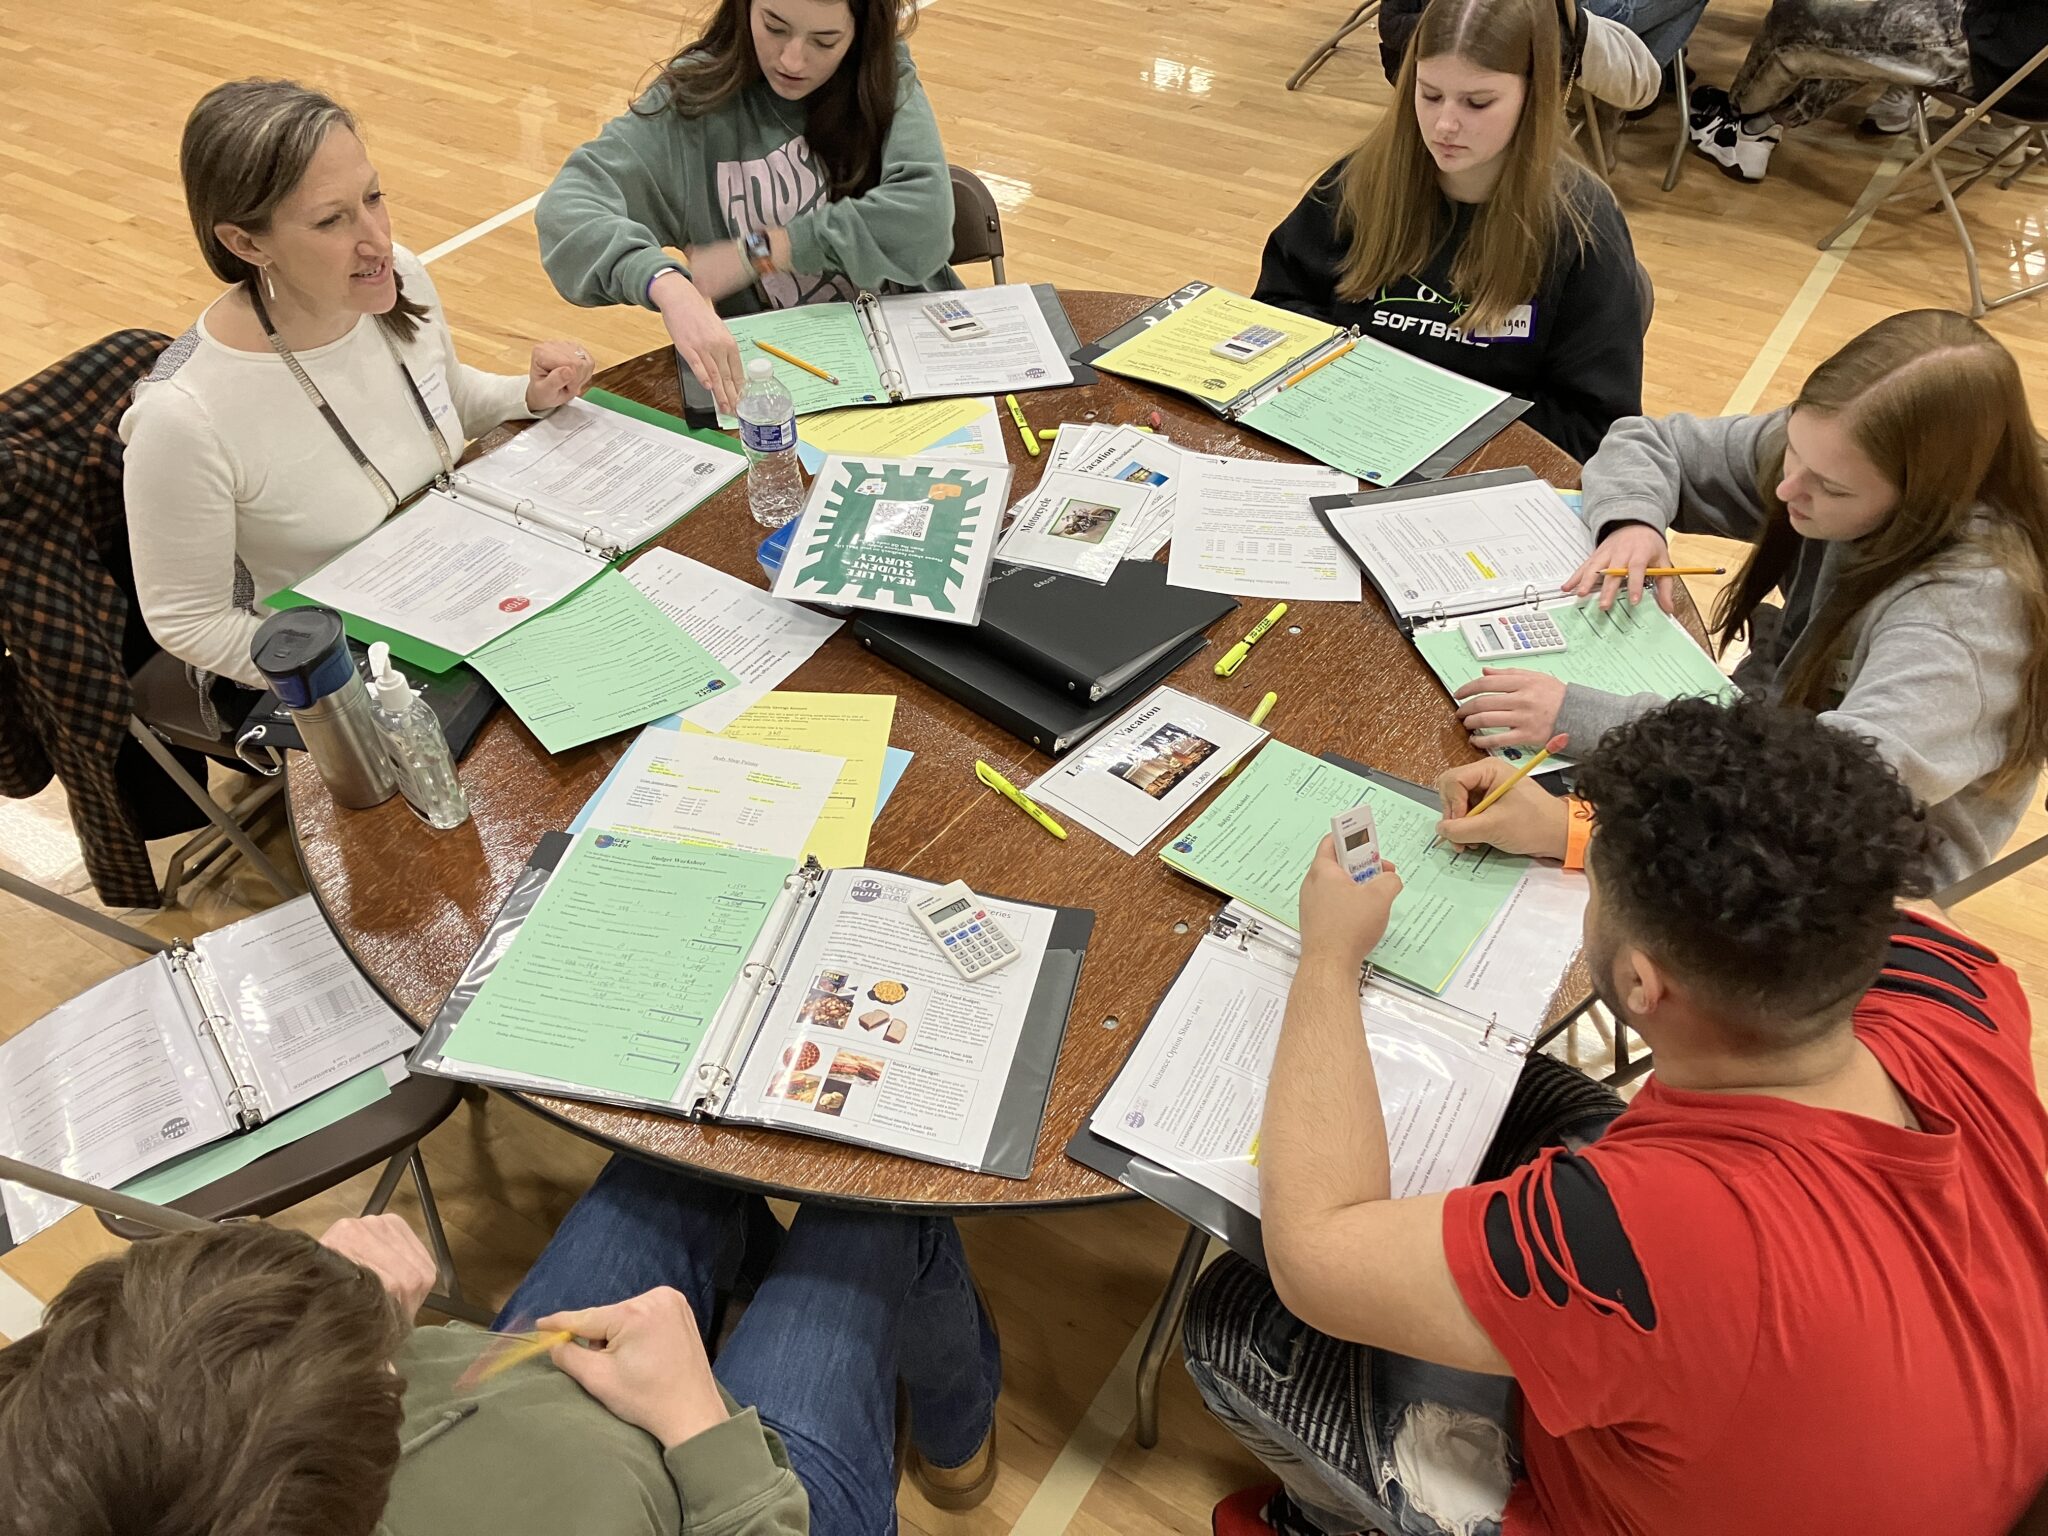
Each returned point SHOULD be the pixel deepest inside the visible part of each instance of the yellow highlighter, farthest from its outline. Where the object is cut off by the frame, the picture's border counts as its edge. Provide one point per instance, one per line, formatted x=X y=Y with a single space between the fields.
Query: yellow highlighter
x=1018 y=798
x=1258 y=718
x=1234 y=657
x=1023 y=426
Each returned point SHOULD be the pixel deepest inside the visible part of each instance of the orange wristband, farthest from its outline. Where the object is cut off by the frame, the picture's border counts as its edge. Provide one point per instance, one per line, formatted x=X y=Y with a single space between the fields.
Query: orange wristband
x=1578 y=831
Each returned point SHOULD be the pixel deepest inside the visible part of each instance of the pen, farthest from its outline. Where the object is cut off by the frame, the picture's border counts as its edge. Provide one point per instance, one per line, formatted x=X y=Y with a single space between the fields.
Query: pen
x=1018 y=798
x=1555 y=744
x=1023 y=427
x=1234 y=657
x=1258 y=718
x=1674 y=570
x=797 y=361
x=1321 y=362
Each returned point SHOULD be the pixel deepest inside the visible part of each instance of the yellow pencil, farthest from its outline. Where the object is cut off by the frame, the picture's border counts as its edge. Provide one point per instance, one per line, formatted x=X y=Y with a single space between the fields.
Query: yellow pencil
x=1322 y=362
x=1674 y=570
x=514 y=1351
x=798 y=362
x=1555 y=744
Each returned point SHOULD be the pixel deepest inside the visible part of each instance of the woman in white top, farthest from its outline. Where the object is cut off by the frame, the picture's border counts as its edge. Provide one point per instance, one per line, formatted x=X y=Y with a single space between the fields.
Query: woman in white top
x=315 y=396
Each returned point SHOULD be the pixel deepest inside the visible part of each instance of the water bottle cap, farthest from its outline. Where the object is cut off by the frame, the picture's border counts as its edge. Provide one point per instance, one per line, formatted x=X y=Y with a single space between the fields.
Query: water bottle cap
x=303 y=655
x=761 y=368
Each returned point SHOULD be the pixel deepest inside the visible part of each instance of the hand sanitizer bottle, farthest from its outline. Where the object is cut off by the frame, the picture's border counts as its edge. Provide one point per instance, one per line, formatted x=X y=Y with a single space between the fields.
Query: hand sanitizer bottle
x=418 y=751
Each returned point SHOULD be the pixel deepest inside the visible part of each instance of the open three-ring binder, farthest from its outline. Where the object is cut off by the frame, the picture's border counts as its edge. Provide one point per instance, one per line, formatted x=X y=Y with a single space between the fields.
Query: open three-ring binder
x=842 y=1020
x=1026 y=345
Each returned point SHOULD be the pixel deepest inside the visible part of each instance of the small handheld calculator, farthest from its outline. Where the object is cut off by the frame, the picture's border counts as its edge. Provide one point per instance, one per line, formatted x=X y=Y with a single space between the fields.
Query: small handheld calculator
x=960 y=924
x=1358 y=843
x=1512 y=634
x=955 y=320
x=1249 y=343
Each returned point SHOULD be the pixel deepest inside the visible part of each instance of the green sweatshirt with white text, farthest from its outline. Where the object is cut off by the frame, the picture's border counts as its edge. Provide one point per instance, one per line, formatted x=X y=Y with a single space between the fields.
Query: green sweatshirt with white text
x=655 y=181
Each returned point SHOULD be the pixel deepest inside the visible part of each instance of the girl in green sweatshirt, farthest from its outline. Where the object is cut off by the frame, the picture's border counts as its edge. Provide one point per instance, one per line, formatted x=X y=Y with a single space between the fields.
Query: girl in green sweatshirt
x=791 y=157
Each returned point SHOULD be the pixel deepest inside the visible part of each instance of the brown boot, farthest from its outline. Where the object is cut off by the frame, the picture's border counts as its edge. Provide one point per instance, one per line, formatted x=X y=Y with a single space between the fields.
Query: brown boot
x=960 y=1487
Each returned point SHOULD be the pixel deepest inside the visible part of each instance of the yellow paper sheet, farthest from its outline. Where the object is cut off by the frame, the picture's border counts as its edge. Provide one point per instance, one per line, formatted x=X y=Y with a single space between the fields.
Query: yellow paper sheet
x=1175 y=352
x=887 y=430
x=850 y=725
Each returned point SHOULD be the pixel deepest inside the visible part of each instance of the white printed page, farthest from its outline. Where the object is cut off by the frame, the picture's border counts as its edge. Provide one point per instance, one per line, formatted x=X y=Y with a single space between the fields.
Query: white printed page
x=758 y=638
x=1018 y=352
x=681 y=787
x=1511 y=972
x=1192 y=1095
x=602 y=469
x=1464 y=551
x=104 y=1087
x=449 y=575
x=1079 y=525
x=874 y=1037
x=1143 y=458
x=1244 y=526
x=1136 y=775
x=305 y=1014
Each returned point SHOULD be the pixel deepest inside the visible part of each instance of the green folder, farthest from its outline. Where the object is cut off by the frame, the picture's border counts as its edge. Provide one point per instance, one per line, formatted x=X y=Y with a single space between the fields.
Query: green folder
x=423 y=657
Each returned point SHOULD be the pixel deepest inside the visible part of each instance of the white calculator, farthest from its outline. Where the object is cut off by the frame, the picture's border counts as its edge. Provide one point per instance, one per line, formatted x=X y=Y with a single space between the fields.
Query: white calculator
x=1512 y=634
x=1249 y=343
x=960 y=924
x=955 y=320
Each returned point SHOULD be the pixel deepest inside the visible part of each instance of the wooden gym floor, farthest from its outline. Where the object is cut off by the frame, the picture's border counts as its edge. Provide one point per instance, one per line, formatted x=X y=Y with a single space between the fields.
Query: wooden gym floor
x=1132 y=145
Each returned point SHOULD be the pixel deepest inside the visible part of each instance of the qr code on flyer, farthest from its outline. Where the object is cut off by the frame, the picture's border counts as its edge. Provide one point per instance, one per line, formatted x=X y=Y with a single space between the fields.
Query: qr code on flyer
x=899 y=520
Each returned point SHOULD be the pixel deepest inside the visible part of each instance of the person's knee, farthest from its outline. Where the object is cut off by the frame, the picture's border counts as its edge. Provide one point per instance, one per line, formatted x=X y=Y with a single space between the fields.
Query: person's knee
x=1231 y=1312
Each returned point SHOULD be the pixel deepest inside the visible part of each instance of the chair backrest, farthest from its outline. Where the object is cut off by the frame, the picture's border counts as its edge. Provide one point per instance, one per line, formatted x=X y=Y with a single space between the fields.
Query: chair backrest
x=977 y=225
x=1646 y=292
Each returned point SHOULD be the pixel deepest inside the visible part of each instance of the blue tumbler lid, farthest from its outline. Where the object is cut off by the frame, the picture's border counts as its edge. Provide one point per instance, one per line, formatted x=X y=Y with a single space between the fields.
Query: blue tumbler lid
x=303 y=653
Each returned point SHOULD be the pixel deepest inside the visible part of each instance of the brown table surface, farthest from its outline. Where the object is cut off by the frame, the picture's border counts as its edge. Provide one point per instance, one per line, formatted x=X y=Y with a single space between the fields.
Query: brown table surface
x=411 y=905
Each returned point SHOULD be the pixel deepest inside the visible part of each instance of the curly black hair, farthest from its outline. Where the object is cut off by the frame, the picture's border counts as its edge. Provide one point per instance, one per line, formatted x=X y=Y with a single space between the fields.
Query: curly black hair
x=1757 y=854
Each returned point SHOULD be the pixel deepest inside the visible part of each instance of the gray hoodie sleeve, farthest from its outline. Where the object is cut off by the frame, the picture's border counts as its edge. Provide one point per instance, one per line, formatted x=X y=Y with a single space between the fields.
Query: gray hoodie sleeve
x=1693 y=473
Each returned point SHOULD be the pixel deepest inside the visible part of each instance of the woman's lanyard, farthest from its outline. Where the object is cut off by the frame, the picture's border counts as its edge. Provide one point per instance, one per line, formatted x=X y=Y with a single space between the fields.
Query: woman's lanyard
x=320 y=404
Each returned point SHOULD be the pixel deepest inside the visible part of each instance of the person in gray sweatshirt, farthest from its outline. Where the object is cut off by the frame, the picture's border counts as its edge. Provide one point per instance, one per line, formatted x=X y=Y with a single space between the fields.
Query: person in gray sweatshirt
x=1900 y=506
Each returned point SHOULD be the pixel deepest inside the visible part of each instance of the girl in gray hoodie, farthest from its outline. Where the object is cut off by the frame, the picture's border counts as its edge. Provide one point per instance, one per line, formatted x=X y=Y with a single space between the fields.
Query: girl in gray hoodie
x=1900 y=506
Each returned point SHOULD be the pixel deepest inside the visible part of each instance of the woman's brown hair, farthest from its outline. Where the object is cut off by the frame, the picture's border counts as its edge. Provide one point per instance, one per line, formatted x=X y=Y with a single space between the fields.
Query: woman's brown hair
x=1939 y=408
x=233 y=1382
x=849 y=115
x=1391 y=208
x=246 y=146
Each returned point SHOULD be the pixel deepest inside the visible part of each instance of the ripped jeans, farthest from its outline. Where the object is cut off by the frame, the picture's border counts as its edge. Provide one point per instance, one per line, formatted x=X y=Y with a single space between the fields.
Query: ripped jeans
x=1363 y=1439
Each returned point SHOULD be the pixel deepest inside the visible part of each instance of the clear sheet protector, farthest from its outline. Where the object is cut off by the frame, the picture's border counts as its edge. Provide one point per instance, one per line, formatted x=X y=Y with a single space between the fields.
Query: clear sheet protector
x=1077 y=525
x=873 y=1038
x=1245 y=527
x=1019 y=351
x=1192 y=1095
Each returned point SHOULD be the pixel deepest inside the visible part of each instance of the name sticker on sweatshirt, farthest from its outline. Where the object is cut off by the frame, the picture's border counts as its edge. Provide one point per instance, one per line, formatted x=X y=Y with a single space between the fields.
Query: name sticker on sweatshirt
x=1518 y=324
x=432 y=379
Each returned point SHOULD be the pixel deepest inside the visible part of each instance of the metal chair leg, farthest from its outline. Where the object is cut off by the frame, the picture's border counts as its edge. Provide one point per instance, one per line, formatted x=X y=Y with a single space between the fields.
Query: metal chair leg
x=1322 y=52
x=1173 y=1307
x=79 y=913
x=449 y=1299
x=1991 y=874
x=1684 y=123
x=387 y=1184
x=196 y=792
x=995 y=266
x=1955 y=214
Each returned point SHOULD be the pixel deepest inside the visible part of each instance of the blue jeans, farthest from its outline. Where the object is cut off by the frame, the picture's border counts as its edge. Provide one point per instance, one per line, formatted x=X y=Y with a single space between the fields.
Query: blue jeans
x=852 y=1305
x=1663 y=25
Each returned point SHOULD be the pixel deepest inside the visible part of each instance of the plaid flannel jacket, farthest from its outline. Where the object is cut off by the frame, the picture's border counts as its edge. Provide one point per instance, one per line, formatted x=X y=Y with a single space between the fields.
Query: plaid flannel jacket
x=64 y=695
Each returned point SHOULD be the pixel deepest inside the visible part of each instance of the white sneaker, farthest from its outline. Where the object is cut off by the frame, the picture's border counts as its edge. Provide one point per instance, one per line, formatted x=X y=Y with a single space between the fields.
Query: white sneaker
x=1737 y=151
x=1891 y=113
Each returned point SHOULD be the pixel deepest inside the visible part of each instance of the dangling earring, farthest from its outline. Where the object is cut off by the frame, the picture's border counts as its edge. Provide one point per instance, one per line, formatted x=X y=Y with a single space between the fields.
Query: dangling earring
x=269 y=287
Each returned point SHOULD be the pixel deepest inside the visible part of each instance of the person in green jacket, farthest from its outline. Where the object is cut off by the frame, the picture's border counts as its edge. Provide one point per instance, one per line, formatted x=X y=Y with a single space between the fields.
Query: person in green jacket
x=789 y=154
x=250 y=1381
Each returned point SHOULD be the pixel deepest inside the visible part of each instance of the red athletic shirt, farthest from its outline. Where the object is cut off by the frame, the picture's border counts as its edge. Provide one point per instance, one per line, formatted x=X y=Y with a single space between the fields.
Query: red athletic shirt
x=1738 y=1316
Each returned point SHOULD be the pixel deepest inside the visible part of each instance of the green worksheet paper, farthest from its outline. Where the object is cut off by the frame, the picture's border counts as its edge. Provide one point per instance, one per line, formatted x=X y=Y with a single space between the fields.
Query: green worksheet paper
x=1256 y=839
x=603 y=661
x=825 y=335
x=196 y=1170
x=619 y=969
x=1375 y=413
x=1629 y=649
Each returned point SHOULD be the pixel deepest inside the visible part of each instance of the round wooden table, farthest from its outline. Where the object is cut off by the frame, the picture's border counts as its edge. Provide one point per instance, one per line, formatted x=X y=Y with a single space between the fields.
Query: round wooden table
x=411 y=905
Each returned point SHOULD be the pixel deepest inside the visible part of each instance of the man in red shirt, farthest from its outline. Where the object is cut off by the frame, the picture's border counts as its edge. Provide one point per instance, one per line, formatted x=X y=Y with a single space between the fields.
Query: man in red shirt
x=1800 y=1286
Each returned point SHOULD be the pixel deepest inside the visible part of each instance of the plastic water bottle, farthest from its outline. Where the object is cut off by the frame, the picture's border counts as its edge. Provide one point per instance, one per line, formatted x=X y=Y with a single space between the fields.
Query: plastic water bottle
x=413 y=740
x=775 y=482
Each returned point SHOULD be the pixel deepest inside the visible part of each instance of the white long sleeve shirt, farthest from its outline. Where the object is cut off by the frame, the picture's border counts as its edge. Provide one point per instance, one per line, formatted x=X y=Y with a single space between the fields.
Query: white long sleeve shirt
x=229 y=466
